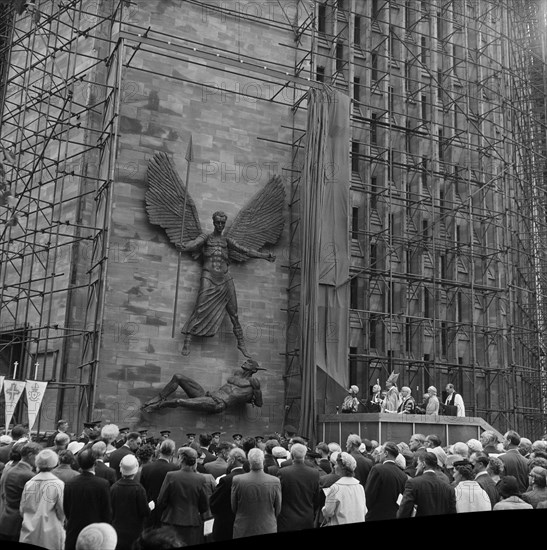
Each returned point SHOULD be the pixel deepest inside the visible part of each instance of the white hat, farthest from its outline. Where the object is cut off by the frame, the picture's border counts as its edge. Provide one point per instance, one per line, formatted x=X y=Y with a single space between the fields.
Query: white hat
x=129 y=465
x=353 y=389
x=5 y=439
x=97 y=536
x=75 y=447
x=279 y=452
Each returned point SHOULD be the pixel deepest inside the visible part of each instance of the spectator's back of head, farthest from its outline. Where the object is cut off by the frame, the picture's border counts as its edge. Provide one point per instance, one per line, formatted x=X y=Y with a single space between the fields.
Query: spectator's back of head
x=270 y=444
x=109 y=432
x=353 y=441
x=256 y=459
x=162 y=538
x=99 y=449
x=66 y=457
x=61 y=439
x=167 y=447
x=97 y=536
x=18 y=431
x=248 y=443
x=298 y=451
x=460 y=448
x=512 y=437
x=86 y=459
x=205 y=439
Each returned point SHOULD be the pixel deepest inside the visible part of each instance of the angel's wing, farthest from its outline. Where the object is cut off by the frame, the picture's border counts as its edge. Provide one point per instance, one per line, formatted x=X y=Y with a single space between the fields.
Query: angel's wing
x=165 y=201
x=261 y=221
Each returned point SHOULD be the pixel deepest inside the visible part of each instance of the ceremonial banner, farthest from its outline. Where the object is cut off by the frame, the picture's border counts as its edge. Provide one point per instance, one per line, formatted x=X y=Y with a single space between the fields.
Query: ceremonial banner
x=35 y=394
x=13 y=389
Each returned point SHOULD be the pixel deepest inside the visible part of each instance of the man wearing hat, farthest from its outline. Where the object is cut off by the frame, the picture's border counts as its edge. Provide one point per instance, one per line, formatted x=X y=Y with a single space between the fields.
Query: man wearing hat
x=122 y=436
x=165 y=434
x=351 y=403
x=237 y=439
x=391 y=401
x=91 y=432
x=190 y=438
x=240 y=388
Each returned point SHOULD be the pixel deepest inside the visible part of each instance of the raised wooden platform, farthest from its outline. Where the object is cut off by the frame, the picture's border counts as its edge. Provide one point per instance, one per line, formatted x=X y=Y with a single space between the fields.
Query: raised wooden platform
x=398 y=427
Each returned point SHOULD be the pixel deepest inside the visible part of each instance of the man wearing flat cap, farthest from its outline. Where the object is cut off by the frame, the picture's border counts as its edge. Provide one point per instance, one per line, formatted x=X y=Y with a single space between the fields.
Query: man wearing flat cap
x=351 y=403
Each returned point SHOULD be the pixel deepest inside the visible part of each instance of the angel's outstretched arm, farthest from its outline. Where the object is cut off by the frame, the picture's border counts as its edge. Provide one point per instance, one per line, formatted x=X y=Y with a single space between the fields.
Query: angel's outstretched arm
x=193 y=245
x=250 y=252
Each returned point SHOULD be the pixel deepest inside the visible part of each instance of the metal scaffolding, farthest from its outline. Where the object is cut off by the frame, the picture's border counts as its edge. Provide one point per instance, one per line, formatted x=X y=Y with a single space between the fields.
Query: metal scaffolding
x=60 y=96
x=448 y=196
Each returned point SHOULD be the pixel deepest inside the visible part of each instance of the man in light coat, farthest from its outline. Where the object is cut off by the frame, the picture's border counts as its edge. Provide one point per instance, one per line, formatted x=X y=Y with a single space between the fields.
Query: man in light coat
x=256 y=499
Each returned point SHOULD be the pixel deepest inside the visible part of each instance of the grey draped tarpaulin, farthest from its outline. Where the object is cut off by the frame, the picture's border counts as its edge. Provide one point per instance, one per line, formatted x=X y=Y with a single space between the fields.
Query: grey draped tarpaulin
x=324 y=225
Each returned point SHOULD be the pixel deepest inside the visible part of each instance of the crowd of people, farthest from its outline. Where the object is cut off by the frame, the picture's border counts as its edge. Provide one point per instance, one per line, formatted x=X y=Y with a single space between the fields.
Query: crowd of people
x=102 y=491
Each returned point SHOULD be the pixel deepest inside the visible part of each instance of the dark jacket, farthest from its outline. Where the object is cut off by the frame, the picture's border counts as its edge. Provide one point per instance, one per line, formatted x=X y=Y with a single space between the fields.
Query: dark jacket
x=129 y=511
x=516 y=465
x=429 y=494
x=86 y=500
x=116 y=457
x=183 y=499
x=299 y=497
x=104 y=471
x=11 y=486
x=384 y=485
x=221 y=507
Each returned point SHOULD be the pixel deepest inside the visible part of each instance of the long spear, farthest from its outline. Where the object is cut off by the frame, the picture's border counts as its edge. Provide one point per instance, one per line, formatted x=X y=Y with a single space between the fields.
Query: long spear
x=189 y=157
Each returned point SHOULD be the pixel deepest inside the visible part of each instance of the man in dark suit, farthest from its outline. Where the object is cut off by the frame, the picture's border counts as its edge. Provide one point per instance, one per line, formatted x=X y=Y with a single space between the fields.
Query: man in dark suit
x=183 y=499
x=132 y=443
x=385 y=483
x=62 y=427
x=101 y=469
x=11 y=490
x=218 y=466
x=364 y=465
x=86 y=499
x=427 y=494
x=153 y=474
x=480 y=463
x=204 y=442
x=299 y=492
x=91 y=432
x=515 y=464
x=220 y=502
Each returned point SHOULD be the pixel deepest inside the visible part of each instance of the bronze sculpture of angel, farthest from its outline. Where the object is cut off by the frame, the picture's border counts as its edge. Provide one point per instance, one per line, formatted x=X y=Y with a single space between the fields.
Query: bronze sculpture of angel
x=259 y=223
